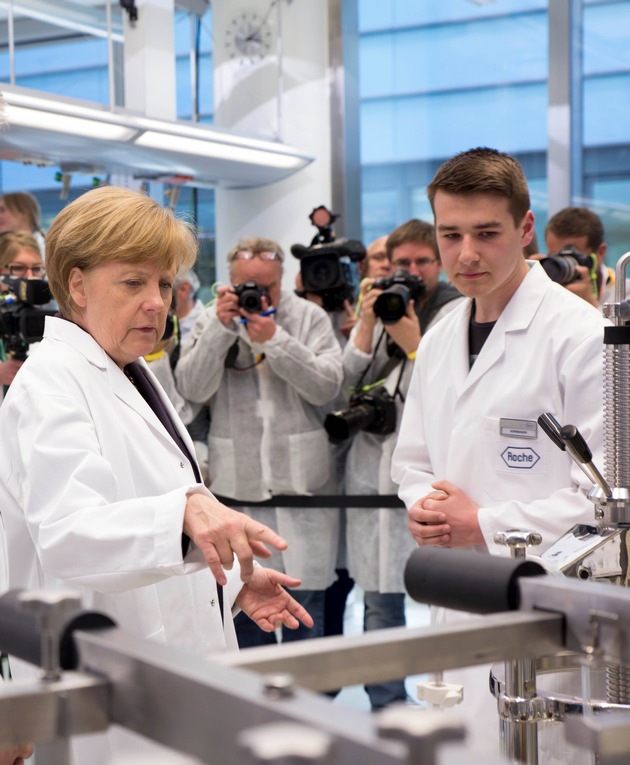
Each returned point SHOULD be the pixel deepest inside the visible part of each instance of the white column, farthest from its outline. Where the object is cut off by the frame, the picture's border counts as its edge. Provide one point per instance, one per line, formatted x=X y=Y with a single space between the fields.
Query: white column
x=284 y=94
x=149 y=55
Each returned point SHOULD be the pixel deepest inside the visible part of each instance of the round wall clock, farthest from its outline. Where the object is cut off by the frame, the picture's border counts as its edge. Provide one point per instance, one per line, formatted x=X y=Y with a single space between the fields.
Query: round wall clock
x=248 y=37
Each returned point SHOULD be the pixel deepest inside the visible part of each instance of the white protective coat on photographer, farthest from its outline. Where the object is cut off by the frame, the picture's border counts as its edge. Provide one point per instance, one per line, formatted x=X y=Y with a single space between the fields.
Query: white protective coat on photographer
x=265 y=434
x=378 y=540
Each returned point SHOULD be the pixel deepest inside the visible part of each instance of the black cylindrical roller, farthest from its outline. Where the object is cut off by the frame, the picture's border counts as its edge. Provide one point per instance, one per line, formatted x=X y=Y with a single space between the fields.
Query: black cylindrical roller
x=466 y=580
x=21 y=634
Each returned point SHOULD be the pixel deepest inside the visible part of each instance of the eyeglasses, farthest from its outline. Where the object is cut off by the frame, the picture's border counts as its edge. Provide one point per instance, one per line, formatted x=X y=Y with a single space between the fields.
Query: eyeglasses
x=19 y=269
x=420 y=262
x=265 y=255
x=378 y=257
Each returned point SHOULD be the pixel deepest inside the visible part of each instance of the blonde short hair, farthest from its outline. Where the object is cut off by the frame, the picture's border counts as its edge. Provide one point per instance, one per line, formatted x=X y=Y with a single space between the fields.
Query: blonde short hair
x=13 y=242
x=112 y=224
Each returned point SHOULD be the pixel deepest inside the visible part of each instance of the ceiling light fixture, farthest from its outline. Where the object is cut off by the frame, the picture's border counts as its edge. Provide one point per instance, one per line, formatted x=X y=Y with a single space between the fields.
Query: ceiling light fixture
x=63 y=130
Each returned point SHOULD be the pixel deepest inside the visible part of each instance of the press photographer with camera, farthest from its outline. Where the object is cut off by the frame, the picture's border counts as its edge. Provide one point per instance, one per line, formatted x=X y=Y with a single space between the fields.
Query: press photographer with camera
x=266 y=359
x=574 y=239
x=20 y=259
x=378 y=361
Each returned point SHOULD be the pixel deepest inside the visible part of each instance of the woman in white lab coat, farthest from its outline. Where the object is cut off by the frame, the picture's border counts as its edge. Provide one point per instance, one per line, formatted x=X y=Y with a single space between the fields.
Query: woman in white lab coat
x=99 y=487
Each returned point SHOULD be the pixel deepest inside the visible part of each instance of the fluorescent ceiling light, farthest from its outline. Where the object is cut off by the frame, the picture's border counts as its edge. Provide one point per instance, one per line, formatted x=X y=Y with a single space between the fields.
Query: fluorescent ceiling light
x=63 y=123
x=217 y=150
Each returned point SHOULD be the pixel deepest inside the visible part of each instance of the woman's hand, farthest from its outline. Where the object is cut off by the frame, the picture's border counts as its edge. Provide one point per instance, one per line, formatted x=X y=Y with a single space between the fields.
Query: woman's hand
x=221 y=533
x=16 y=756
x=264 y=599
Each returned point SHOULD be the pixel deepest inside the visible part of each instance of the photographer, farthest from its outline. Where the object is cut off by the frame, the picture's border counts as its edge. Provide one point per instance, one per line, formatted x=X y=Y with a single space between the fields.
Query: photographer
x=582 y=229
x=378 y=540
x=266 y=359
x=20 y=257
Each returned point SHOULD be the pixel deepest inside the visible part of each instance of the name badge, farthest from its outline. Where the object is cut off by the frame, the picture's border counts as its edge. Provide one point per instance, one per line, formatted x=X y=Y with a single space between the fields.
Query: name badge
x=518 y=428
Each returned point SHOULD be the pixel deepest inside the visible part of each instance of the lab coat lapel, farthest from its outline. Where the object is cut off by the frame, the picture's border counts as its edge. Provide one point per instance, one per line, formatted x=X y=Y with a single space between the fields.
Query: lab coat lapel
x=123 y=389
x=516 y=317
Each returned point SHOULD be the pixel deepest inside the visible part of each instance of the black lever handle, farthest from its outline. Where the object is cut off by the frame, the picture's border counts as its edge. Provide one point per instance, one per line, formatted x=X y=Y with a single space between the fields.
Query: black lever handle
x=572 y=435
x=552 y=428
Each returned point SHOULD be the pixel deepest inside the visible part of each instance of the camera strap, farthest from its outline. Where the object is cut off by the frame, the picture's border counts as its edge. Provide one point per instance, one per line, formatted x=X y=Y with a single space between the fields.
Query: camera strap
x=395 y=357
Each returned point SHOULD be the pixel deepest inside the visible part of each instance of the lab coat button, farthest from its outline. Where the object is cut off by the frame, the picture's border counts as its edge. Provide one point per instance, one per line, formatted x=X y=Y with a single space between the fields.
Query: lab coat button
x=212 y=602
x=181 y=464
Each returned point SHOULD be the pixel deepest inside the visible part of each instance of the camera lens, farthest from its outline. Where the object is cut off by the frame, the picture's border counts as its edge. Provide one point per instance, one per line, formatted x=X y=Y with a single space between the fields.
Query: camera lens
x=346 y=422
x=560 y=268
x=391 y=305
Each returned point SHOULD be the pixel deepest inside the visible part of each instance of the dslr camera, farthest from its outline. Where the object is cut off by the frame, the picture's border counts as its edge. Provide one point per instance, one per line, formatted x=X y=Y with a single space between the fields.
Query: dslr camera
x=371 y=410
x=398 y=290
x=21 y=323
x=325 y=266
x=561 y=266
x=250 y=296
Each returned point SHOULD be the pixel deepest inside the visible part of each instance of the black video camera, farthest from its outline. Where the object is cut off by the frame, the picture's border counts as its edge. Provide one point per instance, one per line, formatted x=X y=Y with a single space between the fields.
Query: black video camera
x=373 y=411
x=398 y=290
x=561 y=265
x=325 y=265
x=21 y=323
x=250 y=296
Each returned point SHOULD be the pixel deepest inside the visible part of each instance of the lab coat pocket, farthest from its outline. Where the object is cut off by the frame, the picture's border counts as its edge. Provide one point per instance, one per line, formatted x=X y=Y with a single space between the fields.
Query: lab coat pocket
x=516 y=468
x=309 y=461
x=221 y=466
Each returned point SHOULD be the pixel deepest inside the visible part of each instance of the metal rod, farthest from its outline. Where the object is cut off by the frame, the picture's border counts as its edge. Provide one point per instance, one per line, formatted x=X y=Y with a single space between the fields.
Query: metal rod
x=382 y=655
x=215 y=704
x=110 y=56
x=11 y=32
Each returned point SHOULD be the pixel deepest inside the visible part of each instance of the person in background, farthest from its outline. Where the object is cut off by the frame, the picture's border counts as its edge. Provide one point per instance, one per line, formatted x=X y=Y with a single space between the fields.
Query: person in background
x=99 y=487
x=19 y=257
x=377 y=540
x=582 y=228
x=20 y=211
x=264 y=372
x=187 y=305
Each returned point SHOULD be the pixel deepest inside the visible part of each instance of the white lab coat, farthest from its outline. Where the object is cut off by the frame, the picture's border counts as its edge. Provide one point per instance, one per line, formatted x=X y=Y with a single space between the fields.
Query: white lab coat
x=92 y=493
x=543 y=355
x=266 y=436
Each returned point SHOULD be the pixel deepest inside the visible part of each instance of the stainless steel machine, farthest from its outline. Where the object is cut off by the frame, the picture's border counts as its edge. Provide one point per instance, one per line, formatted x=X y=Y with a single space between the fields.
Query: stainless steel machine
x=258 y=706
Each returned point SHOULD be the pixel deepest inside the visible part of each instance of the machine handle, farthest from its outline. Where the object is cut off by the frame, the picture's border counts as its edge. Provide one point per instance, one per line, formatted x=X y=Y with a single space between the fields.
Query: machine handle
x=552 y=428
x=571 y=435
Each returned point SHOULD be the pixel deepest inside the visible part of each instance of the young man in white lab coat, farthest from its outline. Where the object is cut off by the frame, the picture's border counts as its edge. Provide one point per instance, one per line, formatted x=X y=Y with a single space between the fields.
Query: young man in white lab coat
x=470 y=458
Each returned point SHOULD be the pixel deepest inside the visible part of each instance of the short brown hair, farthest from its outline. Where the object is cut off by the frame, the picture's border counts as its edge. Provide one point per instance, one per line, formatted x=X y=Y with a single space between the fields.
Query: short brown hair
x=577 y=221
x=484 y=171
x=415 y=231
x=13 y=242
x=23 y=203
x=111 y=224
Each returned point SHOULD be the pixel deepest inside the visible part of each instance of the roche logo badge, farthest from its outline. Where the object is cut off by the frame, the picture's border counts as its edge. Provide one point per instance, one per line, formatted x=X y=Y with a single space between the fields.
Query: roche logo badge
x=520 y=457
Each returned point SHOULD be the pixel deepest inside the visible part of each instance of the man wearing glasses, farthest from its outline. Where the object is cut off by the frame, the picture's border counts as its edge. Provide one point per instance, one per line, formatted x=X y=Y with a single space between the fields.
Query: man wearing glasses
x=265 y=358
x=378 y=541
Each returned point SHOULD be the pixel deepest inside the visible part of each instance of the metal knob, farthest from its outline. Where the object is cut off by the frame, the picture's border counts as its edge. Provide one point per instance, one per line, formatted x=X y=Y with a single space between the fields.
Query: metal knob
x=285 y=744
x=421 y=730
x=518 y=540
x=51 y=609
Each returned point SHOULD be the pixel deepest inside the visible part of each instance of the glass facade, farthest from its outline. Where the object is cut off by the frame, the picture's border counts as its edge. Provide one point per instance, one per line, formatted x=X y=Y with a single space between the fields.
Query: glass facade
x=435 y=79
